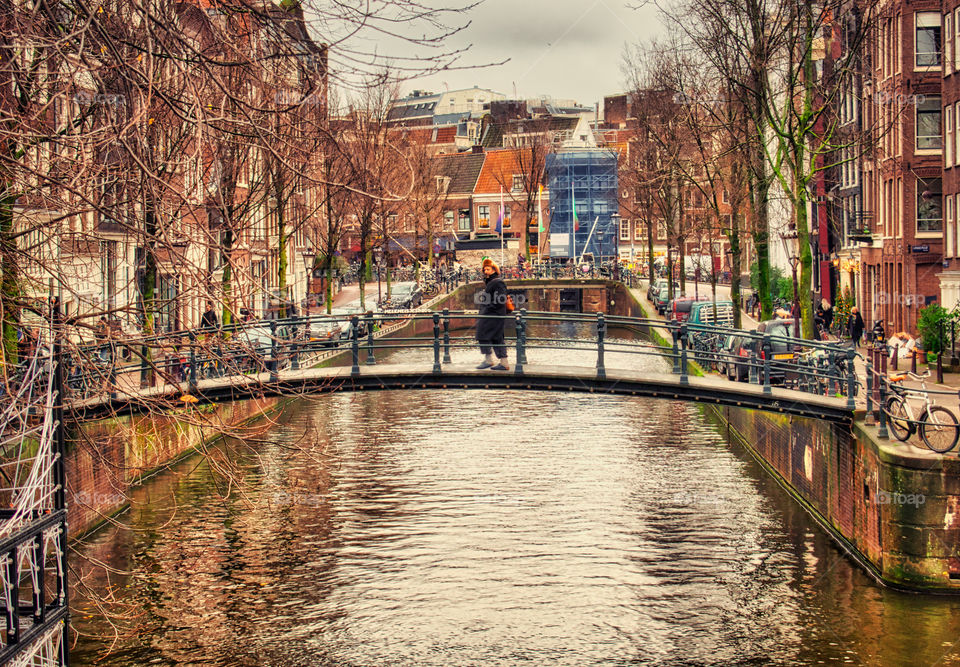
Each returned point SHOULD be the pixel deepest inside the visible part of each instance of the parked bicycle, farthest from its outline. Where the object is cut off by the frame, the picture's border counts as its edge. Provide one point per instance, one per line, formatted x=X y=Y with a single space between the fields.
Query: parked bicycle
x=936 y=424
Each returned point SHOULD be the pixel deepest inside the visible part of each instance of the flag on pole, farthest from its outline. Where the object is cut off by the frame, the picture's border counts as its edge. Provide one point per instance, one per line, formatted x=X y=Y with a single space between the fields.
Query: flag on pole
x=500 y=225
x=540 y=229
x=576 y=220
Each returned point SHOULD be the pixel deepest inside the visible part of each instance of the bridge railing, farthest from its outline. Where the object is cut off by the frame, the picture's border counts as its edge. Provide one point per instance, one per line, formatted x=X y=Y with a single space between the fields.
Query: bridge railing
x=371 y=338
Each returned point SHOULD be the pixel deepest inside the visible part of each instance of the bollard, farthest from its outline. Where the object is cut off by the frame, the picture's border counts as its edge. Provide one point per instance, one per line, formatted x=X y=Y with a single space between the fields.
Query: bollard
x=869 y=417
x=355 y=347
x=446 y=336
x=436 y=343
x=520 y=343
x=882 y=431
x=767 y=354
x=368 y=318
x=193 y=361
x=851 y=379
x=601 y=330
x=684 y=378
x=895 y=361
x=676 y=353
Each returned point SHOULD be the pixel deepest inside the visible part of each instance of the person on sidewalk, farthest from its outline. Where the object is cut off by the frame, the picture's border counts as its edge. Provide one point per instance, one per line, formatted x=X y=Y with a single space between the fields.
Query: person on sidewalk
x=492 y=302
x=855 y=326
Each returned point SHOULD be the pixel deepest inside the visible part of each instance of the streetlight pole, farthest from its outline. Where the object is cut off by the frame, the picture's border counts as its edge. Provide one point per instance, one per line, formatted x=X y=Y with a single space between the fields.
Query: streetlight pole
x=794 y=261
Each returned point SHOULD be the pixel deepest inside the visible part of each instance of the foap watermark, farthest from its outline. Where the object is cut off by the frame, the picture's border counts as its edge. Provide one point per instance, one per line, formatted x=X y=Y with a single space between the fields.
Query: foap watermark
x=288 y=498
x=884 y=298
x=98 y=498
x=884 y=98
x=482 y=298
x=89 y=99
x=293 y=98
x=894 y=498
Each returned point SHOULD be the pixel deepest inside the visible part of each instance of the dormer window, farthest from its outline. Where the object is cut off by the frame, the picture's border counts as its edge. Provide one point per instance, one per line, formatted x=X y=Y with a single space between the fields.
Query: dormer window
x=443 y=183
x=517 y=182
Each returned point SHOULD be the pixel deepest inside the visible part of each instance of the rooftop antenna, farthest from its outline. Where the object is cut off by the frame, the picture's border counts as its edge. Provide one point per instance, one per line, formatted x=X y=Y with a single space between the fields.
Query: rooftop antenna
x=514 y=89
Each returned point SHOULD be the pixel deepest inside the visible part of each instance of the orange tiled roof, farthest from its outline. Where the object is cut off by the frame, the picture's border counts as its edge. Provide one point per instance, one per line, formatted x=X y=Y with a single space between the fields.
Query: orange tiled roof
x=499 y=168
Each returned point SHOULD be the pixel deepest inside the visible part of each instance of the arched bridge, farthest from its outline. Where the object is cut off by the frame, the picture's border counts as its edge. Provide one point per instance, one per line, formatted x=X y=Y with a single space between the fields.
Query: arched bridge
x=415 y=350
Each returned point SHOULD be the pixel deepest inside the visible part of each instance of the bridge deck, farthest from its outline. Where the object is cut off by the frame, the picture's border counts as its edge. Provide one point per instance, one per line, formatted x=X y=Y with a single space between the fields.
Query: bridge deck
x=382 y=376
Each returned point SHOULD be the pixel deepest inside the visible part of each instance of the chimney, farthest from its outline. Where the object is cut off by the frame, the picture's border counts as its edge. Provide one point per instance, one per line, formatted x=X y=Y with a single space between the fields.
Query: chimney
x=477 y=149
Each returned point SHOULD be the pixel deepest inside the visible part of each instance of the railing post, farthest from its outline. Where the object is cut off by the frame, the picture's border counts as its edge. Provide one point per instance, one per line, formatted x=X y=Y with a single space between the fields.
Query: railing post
x=355 y=346
x=940 y=354
x=193 y=361
x=523 y=332
x=882 y=431
x=436 y=343
x=295 y=346
x=274 y=356
x=675 y=333
x=851 y=379
x=753 y=371
x=684 y=378
x=112 y=375
x=520 y=342
x=767 y=353
x=868 y=418
x=895 y=360
x=601 y=330
x=446 y=336
x=355 y=333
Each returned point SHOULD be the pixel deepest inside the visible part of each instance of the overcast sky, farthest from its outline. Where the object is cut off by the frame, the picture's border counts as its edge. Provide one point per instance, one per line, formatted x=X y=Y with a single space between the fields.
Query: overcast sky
x=559 y=48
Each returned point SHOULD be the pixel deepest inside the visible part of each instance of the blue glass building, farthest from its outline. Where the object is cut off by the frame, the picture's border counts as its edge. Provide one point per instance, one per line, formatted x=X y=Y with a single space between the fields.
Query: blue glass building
x=588 y=177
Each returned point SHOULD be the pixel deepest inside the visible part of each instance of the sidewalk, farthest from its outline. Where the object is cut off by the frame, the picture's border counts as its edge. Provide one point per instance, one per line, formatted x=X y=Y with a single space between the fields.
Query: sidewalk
x=951 y=381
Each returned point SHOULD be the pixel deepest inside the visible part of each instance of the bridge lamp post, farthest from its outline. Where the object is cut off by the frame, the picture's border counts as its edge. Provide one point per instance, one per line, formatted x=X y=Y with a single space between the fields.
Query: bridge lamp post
x=308 y=259
x=794 y=261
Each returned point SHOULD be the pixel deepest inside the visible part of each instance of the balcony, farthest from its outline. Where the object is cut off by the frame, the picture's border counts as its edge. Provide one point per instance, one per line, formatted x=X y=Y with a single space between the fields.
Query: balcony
x=860 y=227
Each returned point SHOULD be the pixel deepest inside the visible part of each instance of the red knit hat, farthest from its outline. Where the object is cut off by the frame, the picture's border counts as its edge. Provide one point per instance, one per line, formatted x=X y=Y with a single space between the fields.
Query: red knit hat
x=489 y=262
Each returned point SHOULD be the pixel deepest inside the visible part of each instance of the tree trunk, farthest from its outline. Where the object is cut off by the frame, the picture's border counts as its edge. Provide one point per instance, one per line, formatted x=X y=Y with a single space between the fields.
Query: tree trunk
x=9 y=283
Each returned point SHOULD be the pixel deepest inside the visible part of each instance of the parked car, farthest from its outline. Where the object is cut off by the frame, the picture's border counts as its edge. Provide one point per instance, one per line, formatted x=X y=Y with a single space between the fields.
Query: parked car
x=782 y=349
x=662 y=298
x=252 y=347
x=344 y=315
x=702 y=312
x=324 y=332
x=404 y=296
x=680 y=307
x=728 y=362
x=654 y=288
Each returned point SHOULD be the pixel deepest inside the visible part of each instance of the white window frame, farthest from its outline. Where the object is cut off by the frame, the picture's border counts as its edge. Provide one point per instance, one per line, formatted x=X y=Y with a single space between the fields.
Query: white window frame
x=483 y=221
x=624 y=229
x=517 y=184
x=951 y=239
x=949 y=140
x=916 y=133
x=921 y=21
x=947 y=38
x=638 y=229
x=956 y=39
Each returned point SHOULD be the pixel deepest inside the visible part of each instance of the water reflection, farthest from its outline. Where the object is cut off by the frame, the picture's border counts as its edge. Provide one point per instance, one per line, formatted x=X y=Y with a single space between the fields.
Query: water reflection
x=488 y=528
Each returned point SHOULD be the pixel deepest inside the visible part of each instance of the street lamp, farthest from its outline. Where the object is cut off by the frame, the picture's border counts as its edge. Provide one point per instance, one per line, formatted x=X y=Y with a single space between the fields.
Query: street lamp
x=308 y=258
x=615 y=220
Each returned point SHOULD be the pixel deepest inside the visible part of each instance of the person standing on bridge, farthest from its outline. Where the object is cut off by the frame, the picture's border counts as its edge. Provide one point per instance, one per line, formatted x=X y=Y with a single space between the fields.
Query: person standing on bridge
x=855 y=326
x=493 y=304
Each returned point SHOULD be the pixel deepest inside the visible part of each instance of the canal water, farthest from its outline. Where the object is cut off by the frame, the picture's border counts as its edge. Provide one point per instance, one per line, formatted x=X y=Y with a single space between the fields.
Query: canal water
x=486 y=528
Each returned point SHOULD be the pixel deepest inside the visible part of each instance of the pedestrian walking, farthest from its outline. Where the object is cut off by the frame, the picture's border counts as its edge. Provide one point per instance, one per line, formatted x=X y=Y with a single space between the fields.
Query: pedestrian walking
x=492 y=303
x=209 y=319
x=827 y=314
x=855 y=326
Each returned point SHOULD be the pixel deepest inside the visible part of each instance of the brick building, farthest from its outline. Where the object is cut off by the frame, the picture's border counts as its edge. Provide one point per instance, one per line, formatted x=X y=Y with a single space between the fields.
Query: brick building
x=950 y=276
x=903 y=183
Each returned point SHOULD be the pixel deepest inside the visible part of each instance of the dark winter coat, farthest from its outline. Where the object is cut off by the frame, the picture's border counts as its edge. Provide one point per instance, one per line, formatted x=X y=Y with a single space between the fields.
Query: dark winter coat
x=492 y=301
x=827 y=317
x=855 y=325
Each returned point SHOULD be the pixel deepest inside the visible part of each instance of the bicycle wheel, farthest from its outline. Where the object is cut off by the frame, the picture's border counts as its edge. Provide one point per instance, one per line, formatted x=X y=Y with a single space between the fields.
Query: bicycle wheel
x=939 y=429
x=896 y=415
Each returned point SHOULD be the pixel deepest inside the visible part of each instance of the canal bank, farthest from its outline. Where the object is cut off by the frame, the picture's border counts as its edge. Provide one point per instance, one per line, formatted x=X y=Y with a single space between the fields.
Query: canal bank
x=893 y=508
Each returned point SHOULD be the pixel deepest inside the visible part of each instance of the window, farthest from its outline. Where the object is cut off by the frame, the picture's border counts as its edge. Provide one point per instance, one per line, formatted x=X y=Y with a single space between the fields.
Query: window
x=950 y=227
x=637 y=227
x=443 y=182
x=948 y=148
x=447 y=219
x=928 y=123
x=624 y=230
x=928 y=39
x=956 y=40
x=392 y=221
x=464 y=224
x=517 y=182
x=929 y=205
x=483 y=216
x=956 y=135
x=948 y=44
x=726 y=196
x=507 y=211
x=662 y=230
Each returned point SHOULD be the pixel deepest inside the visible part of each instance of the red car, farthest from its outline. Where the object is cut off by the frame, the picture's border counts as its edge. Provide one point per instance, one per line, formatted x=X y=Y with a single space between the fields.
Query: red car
x=681 y=307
